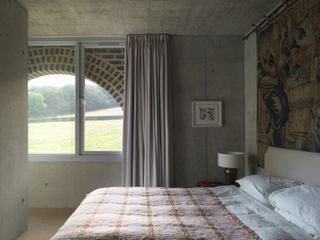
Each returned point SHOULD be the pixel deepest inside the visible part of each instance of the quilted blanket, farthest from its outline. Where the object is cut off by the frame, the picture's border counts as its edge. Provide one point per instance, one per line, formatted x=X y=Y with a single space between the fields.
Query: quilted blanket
x=153 y=213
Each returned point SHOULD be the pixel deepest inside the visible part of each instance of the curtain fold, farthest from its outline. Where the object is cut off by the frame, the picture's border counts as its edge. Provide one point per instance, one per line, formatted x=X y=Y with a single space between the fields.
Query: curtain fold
x=147 y=112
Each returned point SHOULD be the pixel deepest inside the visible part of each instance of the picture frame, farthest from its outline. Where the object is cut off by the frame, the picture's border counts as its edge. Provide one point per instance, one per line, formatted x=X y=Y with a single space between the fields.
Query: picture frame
x=206 y=113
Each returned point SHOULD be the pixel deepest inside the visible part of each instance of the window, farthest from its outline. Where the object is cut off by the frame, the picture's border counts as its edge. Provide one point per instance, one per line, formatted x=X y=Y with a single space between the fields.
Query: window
x=52 y=114
x=103 y=109
x=103 y=120
x=75 y=96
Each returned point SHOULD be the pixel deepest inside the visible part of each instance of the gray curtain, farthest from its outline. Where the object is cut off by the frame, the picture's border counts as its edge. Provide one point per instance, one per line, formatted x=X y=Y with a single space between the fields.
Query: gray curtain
x=147 y=104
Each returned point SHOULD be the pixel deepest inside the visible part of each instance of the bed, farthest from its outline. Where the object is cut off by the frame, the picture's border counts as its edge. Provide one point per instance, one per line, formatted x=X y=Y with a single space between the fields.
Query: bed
x=224 y=212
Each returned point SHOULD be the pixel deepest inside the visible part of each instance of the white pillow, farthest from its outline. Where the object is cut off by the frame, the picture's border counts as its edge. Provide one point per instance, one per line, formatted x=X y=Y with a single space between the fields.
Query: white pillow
x=260 y=186
x=299 y=205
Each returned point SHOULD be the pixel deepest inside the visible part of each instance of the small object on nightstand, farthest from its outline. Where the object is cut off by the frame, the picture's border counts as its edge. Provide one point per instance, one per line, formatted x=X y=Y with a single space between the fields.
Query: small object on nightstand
x=208 y=183
x=231 y=161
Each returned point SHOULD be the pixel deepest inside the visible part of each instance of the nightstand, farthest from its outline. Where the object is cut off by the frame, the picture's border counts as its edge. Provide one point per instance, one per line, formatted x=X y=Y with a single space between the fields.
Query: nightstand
x=208 y=183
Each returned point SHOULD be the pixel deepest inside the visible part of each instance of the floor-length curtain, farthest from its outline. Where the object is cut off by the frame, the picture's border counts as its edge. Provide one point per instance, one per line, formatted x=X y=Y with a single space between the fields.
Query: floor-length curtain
x=147 y=112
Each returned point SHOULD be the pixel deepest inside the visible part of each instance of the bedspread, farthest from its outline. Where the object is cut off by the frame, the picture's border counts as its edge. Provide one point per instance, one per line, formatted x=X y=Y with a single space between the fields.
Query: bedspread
x=153 y=213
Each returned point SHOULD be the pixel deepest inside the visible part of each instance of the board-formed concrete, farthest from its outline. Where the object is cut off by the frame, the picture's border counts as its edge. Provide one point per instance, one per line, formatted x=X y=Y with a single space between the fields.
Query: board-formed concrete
x=13 y=120
x=206 y=68
x=188 y=17
x=65 y=184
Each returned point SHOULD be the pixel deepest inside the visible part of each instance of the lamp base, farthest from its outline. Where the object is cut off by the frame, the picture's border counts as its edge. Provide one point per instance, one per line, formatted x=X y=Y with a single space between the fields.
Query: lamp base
x=230 y=175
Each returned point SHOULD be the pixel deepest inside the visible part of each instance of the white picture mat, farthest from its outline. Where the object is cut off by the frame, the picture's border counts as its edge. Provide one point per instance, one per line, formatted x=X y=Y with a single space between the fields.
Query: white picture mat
x=215 y=108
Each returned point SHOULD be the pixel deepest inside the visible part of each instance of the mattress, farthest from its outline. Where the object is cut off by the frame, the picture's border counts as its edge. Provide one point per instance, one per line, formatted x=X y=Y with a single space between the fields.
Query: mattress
x=175 y=213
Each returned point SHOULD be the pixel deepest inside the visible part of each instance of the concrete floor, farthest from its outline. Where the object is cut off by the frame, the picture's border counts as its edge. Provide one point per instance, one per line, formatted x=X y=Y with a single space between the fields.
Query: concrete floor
x=45 y=222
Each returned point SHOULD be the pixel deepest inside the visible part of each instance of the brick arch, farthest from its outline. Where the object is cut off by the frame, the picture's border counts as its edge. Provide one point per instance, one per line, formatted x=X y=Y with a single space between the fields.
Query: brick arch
x=107 y=76
x=103 y=66
x=50 y=60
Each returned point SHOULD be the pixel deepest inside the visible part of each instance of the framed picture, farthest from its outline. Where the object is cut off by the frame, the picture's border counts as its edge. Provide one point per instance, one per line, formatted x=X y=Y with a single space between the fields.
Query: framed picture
x=206 y=114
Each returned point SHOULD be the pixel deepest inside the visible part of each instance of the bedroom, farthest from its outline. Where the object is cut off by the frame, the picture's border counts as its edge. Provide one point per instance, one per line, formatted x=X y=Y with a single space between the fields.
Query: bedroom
x=203 y=54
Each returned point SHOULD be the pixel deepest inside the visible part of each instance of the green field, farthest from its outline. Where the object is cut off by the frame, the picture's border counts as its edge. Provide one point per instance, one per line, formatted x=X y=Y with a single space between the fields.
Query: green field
x=59 y=137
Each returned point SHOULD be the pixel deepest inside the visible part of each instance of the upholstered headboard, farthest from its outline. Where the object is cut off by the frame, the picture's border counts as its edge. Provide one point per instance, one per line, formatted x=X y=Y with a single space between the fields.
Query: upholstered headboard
x=299 y=165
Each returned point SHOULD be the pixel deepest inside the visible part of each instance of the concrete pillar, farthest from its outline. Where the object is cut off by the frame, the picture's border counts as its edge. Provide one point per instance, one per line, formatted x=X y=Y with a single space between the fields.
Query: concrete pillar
x=13 y=120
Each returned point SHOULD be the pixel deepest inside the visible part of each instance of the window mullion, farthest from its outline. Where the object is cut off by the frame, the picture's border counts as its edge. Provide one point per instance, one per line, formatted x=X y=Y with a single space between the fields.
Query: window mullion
x=81 y=99
x=78 y=95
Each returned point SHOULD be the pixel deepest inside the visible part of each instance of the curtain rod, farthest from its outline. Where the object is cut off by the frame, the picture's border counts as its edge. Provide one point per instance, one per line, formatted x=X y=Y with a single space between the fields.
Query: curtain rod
x=271 y=17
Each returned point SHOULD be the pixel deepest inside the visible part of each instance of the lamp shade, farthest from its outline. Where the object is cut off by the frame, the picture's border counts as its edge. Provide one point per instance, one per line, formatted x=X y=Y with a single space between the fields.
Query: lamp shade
x=230 y=159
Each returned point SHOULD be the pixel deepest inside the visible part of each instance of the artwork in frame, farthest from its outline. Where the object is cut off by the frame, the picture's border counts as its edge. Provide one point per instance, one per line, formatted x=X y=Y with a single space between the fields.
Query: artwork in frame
x=206 y=114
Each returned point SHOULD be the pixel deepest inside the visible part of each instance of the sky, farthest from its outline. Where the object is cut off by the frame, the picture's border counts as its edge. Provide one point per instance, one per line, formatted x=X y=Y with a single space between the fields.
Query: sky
x=55 y=80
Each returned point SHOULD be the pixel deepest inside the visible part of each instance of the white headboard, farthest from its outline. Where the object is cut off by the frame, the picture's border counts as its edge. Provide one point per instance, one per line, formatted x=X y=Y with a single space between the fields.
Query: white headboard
x=299 y=165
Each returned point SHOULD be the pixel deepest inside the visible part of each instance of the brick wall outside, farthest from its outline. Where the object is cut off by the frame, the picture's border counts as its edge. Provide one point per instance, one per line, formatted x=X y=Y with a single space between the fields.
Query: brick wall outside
x=102 y=66
x=106 y=68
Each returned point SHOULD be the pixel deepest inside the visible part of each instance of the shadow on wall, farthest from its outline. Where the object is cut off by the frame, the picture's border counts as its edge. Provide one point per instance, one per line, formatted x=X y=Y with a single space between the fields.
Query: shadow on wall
x=252 y=164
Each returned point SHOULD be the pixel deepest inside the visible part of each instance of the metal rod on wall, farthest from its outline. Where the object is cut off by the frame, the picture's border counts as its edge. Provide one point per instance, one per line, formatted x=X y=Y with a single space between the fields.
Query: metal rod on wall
x=271 y=17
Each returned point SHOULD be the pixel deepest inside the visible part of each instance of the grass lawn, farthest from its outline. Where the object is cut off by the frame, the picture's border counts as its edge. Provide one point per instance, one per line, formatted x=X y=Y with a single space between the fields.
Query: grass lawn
x=59 y=137
x=103 y=135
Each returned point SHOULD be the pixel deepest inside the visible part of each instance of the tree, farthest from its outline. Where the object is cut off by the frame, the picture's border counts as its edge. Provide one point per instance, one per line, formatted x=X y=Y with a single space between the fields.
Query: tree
x=37 y=106
x=97 y=97
x=58 y=102
x=48 y=101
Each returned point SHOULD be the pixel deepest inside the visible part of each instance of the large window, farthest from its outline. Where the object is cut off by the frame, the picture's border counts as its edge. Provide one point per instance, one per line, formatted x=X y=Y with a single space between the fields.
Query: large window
x=75 y=99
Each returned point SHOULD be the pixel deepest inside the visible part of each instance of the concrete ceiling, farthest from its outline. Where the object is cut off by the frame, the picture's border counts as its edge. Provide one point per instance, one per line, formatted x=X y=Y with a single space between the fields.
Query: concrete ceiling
x=101 y=17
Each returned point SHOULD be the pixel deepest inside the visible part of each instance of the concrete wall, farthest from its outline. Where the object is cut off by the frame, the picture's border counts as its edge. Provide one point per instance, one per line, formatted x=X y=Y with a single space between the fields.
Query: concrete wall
x=65 y=184
x=206 y=68
x=250 y=76
x=13 y=120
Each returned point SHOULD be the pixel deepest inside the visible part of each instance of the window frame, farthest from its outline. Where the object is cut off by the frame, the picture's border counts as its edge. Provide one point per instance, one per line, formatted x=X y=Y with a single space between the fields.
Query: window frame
x=80 y=44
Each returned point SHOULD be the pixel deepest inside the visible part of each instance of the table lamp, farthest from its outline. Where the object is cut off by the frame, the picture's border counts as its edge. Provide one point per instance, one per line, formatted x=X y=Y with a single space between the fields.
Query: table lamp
x=231 y=161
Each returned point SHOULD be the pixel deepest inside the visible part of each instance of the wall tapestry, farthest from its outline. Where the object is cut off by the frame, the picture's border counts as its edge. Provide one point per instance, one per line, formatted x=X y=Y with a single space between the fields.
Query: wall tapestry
x=288 y=93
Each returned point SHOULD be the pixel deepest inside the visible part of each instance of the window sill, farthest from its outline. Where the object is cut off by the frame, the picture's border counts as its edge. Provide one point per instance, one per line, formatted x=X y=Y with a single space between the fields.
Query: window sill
x=98 y=157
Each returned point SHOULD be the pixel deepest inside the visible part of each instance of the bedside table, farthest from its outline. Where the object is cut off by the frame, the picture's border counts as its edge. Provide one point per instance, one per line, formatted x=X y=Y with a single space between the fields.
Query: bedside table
x=208 y=183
